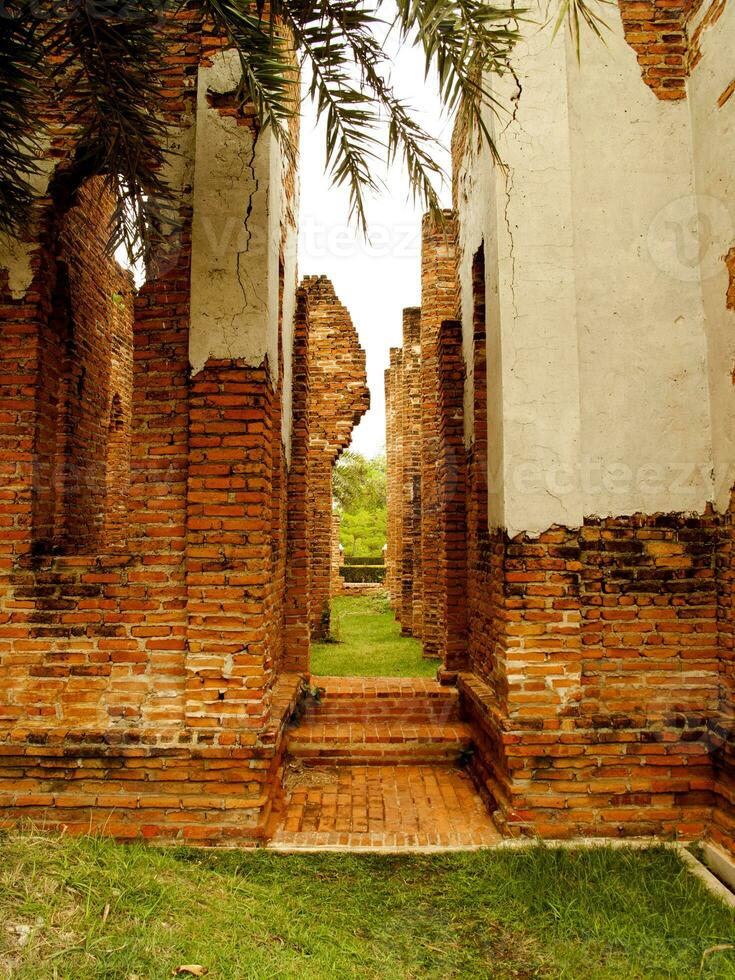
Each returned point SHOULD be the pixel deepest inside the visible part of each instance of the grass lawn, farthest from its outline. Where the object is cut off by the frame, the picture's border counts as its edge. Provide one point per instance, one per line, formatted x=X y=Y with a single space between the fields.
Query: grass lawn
x=369 y=643
x=84 y=908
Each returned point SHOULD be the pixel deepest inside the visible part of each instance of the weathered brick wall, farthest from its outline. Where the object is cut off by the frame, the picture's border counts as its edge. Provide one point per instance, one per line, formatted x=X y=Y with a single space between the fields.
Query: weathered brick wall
x=411 y=585
x=339 y=399
x=452 y=490
x=395 y=454
x=594 y=664
x=336 y=585
x=438 y=303
x=666 y=38
x=722 y=727
x=595 y=717
x=297 y=636
x=139 y=681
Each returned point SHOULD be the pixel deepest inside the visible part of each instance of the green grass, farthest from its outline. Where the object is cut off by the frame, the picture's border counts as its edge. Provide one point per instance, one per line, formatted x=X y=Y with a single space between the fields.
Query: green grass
x=368 y=643
x=602 y=914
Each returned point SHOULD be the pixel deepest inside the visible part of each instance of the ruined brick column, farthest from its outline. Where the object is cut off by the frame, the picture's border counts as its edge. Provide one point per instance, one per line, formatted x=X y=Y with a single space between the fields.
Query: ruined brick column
x=451 y=489
x=339 y=399
x=151 y=621
x=390 y=463
x=337 y=557
x=438 y=303
x=411 y=617
x=394 y=474
x=598 y=676
x=298 y=556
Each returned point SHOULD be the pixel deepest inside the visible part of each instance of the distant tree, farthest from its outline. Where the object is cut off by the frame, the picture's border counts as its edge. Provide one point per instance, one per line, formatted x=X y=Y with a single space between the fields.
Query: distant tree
x=359 y=483
x=363 y=533
x=359 y=488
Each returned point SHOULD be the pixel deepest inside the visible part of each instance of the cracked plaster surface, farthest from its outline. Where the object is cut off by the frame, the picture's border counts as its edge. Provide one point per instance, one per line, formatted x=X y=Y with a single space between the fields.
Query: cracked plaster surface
x=236 y=231
x=582 y=371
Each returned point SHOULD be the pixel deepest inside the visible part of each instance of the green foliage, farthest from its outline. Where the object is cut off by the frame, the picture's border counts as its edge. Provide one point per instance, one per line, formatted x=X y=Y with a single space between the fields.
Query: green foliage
x=359 y=488
x=106 y=57
x=359 y=483
x=364 y=533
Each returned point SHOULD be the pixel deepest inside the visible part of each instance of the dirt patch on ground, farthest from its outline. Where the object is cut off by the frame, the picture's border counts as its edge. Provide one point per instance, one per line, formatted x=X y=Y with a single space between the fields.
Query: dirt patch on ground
x=299 y=776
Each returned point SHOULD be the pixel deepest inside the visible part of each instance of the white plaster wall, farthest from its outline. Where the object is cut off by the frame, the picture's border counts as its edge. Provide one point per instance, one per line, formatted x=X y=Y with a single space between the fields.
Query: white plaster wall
x=235 y=233
x=15 y=254
x=477 y=207
x=523 y=214
x=597 y=355
x=713 y=140
x=642 y=355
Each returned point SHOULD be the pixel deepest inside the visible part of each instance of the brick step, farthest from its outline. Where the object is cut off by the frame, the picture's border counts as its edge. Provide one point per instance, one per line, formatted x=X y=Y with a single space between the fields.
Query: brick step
x=316 y=742
x=410 y=700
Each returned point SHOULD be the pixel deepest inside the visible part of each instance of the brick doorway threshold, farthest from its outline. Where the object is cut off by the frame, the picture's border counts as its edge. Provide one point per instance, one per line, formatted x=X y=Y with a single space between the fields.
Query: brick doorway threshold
x=377 y=766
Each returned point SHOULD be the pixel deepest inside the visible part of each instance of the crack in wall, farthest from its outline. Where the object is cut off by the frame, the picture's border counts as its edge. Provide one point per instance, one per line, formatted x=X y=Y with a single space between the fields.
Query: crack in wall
x=508 y=174
x=256 y=186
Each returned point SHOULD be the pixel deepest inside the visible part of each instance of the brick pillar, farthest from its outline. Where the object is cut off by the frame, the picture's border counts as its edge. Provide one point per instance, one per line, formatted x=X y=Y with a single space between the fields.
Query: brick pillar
x=389 y=484
x=298 y=555
x=229 y=518
x=337 y=557
x=438 y=303
x=395 y=513
x=411 y=490
x=451 y=478
x=339 y=398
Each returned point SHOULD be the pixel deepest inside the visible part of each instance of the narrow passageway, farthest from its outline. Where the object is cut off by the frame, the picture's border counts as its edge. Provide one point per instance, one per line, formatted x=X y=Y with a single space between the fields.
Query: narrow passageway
x=378 y=760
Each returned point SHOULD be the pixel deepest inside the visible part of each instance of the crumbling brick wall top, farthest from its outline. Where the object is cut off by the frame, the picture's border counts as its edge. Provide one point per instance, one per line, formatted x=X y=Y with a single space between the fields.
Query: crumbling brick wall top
x=339 y=398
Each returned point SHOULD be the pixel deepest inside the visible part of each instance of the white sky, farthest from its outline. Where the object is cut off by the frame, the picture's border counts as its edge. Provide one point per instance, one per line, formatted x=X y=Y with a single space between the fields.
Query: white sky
x=374 y=279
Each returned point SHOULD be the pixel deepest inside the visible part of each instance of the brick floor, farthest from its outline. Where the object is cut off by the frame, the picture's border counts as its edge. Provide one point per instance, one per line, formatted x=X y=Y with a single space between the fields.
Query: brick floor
x=376 y=806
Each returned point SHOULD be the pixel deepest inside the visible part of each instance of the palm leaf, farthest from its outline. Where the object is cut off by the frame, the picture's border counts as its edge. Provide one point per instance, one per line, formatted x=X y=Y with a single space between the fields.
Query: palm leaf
x=21 y=130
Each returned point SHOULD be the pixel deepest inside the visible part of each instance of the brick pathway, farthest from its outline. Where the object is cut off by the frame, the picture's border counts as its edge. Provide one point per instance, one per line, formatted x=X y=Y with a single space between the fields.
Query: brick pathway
x=382 y=806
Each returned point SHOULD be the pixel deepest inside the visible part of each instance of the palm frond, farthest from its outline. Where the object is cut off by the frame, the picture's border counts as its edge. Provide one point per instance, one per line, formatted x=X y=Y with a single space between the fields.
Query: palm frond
x=106 y=57
x=463 y=40
x=21 y=74
x=352 y=123
x=107 y=66
x=406 y=137
x=269 y=72
x=576 y=12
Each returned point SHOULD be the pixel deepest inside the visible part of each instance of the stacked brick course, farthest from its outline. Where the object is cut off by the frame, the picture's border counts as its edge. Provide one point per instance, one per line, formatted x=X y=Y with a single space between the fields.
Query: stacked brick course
x=154 y=584
x=666 y=40
x=438 y=303
x=590 y=660
x=339 y=398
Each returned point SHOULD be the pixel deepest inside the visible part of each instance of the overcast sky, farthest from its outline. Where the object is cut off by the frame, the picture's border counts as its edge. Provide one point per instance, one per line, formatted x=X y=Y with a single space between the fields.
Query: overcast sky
x=374 y=279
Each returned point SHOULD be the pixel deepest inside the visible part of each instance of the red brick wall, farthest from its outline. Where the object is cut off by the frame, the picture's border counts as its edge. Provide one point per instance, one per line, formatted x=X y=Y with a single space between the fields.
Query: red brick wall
x=411 y=585
x=297 y=636
x=339 y=398
x=596 y=664
x=452 y=490
x=403 y=458
x=668 y=49
x=139 y=683
x=438 y=303
x=395 y=384
x=596 y=716
x=722 y=727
